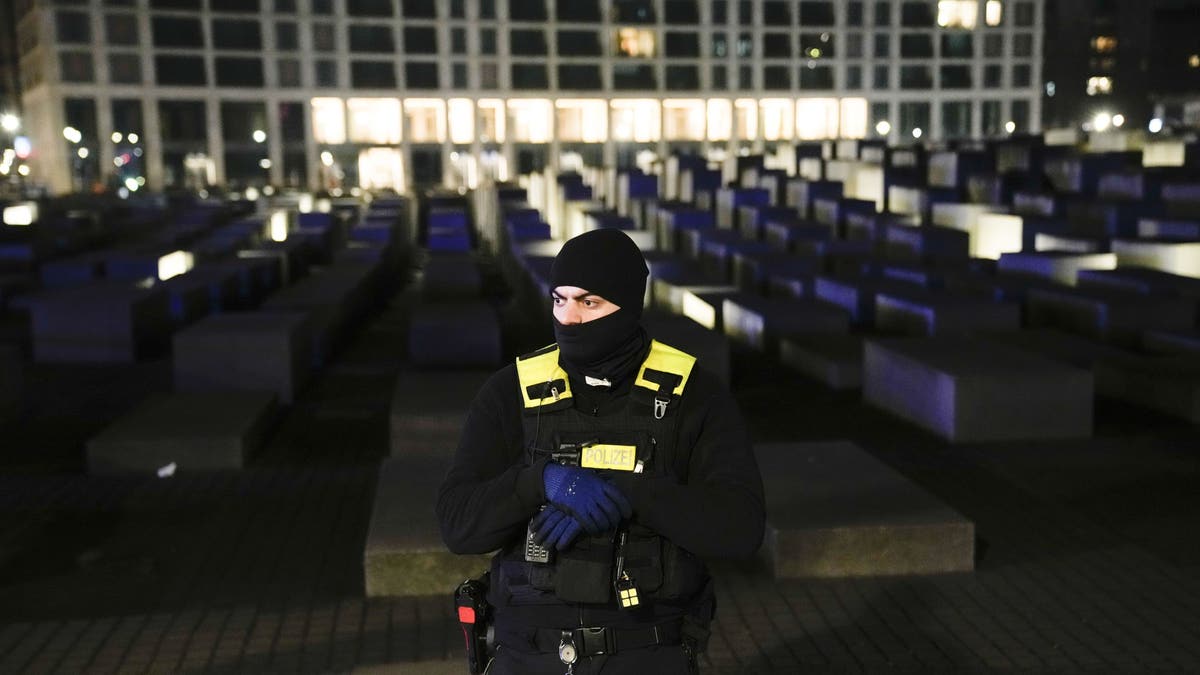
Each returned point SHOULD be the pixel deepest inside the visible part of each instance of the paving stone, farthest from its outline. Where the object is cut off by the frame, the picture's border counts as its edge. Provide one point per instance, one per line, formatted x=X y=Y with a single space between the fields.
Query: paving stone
x=835 y=511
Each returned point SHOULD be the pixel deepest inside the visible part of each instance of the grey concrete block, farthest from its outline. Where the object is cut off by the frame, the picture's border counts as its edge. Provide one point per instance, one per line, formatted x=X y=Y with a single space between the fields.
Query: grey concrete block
x=1172 y=341
x=1054 y=265
x=451 y=276
x=454 y=335
x=710 y=348
x=833 y=510
x=1103 y=314
x=760 y=322
x=217 y=430
x=922 y=313
x=835 y=360
x=970 y=391
x=1169 y=385
x=429 y=408
x=246 y=351
x=12 y=382
x=99 y=323
x=404 y=554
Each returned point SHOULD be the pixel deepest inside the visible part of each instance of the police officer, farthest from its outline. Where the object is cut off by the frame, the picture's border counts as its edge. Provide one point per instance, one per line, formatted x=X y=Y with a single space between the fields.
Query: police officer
x=604 y=469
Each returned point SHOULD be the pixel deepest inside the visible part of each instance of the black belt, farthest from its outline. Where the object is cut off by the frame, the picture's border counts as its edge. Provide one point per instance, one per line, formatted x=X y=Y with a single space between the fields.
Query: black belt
x=607 y=640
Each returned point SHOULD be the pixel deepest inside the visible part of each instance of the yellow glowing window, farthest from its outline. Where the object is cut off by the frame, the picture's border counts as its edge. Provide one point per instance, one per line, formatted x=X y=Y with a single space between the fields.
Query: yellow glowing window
x=683 y=119
x=374 y=120
x=329 y=120
x=854 y=118
x=426 y=119
x=638 y=120
x=462 y=120
x=381 y=169
x=817 y=118
x=1194 y=61
x=1099 y=85
x=1104 y=44
x=993 y=12
x=491 y=120
x=958 y=13
x=745 y=119
x=532 y=120
x=720 y=119
x=636 y=42
x=778 y=118
x=582 y=120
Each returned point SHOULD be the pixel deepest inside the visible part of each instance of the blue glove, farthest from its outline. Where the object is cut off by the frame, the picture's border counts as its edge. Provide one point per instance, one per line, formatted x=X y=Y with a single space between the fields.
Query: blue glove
x=597 y=505
x=555 y=529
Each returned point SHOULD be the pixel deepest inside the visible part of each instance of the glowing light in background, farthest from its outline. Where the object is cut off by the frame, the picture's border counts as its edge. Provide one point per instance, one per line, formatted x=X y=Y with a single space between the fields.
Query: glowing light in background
x=175 y=263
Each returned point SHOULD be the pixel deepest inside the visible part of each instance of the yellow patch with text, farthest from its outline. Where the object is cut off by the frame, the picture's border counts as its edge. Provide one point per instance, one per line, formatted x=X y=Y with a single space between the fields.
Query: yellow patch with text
x=605 y=456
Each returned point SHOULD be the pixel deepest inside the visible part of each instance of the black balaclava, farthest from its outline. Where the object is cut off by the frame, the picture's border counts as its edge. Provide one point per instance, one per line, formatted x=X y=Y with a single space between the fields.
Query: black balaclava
x=605 y=262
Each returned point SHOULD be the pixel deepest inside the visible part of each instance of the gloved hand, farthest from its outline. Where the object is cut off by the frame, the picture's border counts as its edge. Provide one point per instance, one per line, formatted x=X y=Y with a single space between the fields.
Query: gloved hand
x=554 y=528
x=597 y=505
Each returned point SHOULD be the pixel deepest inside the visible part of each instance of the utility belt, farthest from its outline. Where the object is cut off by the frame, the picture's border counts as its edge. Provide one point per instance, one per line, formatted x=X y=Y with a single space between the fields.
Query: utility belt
x=571 y=644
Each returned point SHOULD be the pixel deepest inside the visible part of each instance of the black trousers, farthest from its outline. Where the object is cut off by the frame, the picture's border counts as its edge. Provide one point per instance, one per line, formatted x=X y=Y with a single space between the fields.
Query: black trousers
x=658 y=660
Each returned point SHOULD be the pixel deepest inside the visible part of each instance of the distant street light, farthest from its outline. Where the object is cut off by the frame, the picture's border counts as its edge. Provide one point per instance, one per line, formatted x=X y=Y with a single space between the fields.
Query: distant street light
x=1156 y=125
x=10 y=122
x=259 y=136
x=72 y=134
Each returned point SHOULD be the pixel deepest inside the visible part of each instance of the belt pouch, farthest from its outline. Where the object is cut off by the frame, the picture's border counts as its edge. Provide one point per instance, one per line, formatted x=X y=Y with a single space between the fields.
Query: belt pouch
x=584 y=573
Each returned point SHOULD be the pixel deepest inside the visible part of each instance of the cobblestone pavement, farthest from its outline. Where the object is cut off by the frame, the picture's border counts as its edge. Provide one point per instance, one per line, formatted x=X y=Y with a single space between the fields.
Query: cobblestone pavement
x=1088 y=557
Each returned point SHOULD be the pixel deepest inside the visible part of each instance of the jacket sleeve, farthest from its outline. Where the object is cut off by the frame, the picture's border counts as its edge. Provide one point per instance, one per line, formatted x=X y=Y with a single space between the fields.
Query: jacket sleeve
x=719 y=512
x=488 y=495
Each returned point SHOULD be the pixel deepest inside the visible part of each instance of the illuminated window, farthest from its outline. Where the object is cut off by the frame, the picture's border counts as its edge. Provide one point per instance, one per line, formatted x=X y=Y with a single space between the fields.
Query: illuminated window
x=745 y=119
x=638 y=120
x=635 y=42
x=374 y=120
x=329 y=120
x=854 y=116
x=531 y=120
x=381 y=168
x=462 y=120
x=817 y=118
x=582 y=120
x=426 y=119
x=1104 y=44
x=683 y=119
x=778 y=118
x=1194 y=61
x=1099 y=85
x=491 y=120
x=993 y=12
x=958 y=13
x=720 y=119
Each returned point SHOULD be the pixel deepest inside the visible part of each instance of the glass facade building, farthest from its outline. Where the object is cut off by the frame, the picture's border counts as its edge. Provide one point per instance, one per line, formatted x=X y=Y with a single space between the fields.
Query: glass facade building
x=396 y=93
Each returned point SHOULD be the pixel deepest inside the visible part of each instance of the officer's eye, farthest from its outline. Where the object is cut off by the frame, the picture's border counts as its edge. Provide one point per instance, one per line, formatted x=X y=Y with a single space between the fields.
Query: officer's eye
x=589 y=303
x=557 y=300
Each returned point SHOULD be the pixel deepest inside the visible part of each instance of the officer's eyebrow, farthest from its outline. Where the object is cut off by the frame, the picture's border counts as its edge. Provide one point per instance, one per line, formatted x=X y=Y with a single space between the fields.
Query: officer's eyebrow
x=581 y=296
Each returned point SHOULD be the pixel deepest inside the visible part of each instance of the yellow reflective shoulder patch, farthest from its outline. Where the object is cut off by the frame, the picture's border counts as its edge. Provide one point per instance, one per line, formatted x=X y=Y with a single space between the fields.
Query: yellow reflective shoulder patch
x=667 y=359
x=608 y=456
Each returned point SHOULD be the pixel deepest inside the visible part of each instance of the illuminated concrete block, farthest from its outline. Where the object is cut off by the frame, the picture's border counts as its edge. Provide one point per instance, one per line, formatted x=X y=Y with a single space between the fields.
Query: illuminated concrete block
x=952 y=168
x=926 y=243
x=245 y=351
x=760 y=322
x=753 y=219
x=833 y=510
x=1064 y=243
x=752 y=268
x=855 y=296
x=673 y=222
x=1176 y=257
x=1158 y=228
x=403 y=553
x=1104 y=314
x=796 y=237
x=710 y=348
x=729 y=201
x=98 y=323
x=802 y=193
x=938 y=314
x=668 y=291
x=705 y=306
x=1055 y=265
x=967 y=391
x=995 y=234
x=256 y=278
x=193 y=431
x=834 y=360
x=454 y=335
x=717 y=253
x=428 y=410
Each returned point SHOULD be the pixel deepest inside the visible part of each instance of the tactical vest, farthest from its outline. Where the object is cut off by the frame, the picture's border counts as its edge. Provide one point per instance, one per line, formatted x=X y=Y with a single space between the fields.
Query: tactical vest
x=640 y=438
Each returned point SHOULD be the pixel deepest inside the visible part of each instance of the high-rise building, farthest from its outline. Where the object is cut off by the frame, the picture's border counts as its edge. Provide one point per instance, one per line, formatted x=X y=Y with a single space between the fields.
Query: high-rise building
x=401 y=92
